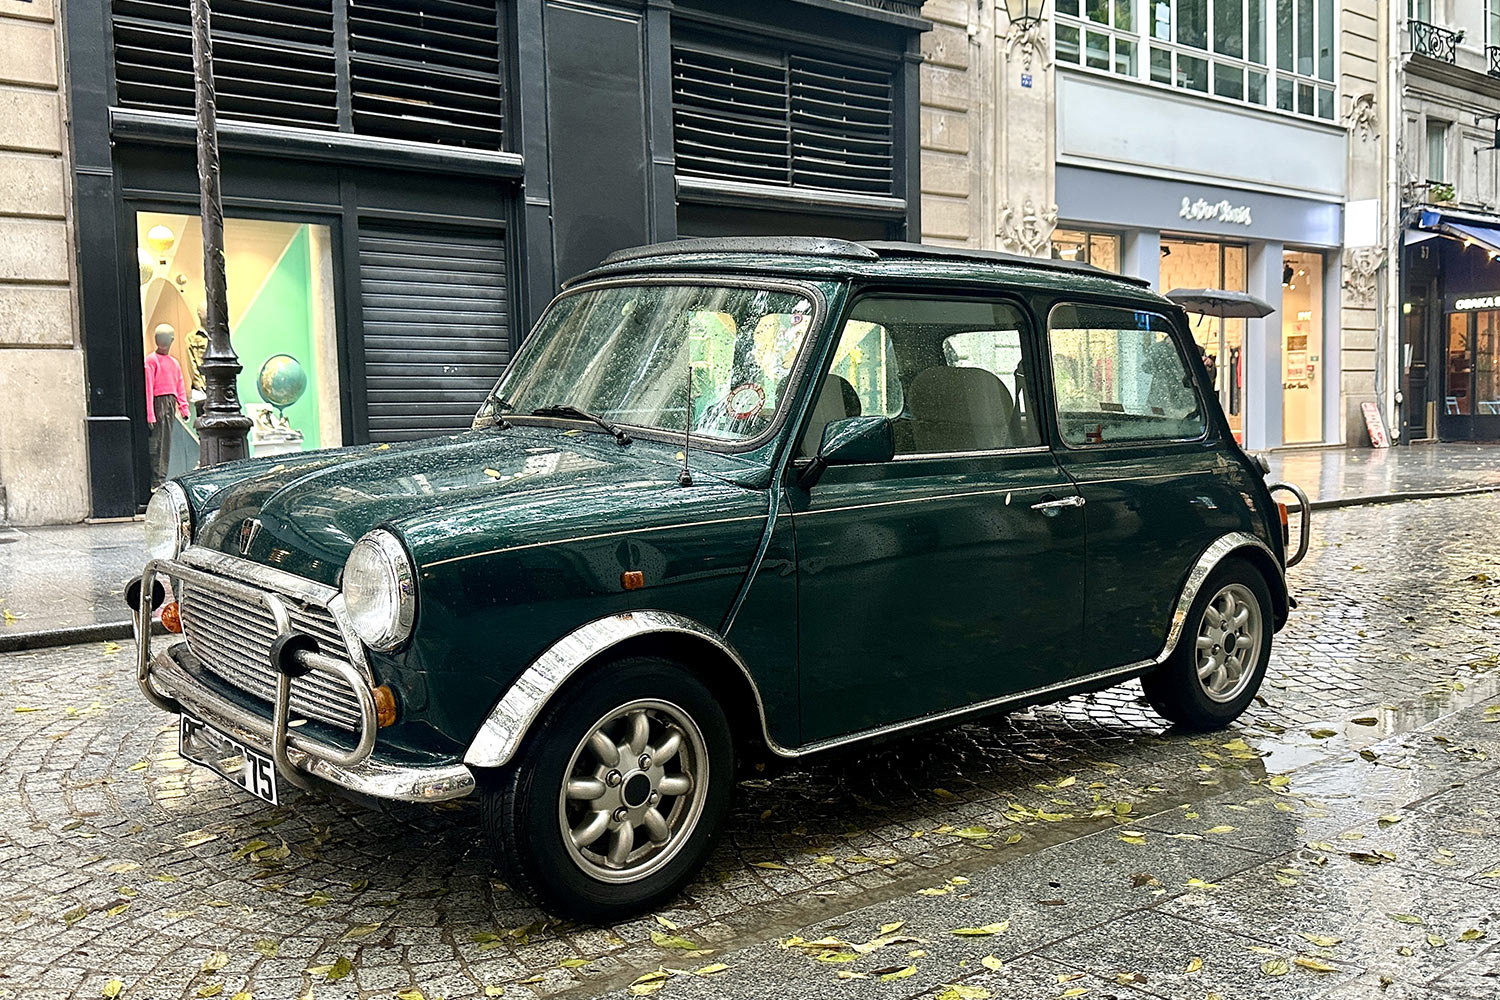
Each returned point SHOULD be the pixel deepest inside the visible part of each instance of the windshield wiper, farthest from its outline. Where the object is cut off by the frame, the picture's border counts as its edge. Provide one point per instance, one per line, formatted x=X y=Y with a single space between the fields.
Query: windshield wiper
x=569 y=410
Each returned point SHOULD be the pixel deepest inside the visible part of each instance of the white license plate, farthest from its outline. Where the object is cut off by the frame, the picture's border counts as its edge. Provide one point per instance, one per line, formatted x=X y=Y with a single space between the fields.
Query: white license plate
x=228 y=757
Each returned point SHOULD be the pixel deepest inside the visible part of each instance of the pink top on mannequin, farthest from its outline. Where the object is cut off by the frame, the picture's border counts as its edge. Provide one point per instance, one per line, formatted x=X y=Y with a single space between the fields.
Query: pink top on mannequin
x=164 y=378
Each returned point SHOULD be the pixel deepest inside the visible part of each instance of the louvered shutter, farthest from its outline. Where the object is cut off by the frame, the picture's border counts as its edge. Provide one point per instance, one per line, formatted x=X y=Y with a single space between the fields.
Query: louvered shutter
x=783 y=118
x=427 y=70
x=273 y=60
x=436 y=328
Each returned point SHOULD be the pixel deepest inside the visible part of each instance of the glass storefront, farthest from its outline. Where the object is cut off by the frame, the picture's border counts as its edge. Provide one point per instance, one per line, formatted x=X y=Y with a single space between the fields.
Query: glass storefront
x=1302 y=347
x=1099 y=249
x=281 y=321
x=1190 y=263
x=1472 y=364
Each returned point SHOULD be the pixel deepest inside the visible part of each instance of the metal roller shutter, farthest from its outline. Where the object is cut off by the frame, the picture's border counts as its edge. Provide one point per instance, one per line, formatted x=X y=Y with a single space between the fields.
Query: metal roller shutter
x=436 y=328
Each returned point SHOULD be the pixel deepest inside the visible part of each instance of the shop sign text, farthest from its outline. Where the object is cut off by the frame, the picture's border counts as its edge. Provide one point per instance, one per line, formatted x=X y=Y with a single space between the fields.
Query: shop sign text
x=1214 y=211
x=1476 y=302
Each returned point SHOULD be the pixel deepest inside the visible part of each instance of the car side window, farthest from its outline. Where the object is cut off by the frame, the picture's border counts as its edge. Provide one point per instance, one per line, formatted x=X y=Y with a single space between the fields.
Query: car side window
x=1118 y=375
x=952 y=374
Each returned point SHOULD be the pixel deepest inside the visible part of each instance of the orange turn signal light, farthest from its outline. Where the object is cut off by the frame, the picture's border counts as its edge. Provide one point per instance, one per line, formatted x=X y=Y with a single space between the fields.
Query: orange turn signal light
x=632 y=579
x=171 y=618
x=385 y=706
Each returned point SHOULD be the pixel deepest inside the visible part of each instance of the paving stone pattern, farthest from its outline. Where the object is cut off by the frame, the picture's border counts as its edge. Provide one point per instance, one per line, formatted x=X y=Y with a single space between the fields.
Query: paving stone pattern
x=119 y=862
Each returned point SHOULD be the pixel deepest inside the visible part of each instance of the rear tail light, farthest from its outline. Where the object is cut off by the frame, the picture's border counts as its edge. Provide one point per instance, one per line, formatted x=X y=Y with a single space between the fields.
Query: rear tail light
x=1286 y=530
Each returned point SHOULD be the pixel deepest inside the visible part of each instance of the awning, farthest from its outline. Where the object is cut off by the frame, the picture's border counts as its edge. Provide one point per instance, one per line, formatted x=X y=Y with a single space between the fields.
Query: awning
x=1469 y=231
x=1420 y=236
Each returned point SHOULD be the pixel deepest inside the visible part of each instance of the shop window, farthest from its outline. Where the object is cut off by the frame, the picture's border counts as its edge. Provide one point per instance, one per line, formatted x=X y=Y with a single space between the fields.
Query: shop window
x=1302 y=347
x=281 y=321
x=952 y=374
x=1099 y=249
x=1118 y=376
x=1220 y=48
x=1208 y=264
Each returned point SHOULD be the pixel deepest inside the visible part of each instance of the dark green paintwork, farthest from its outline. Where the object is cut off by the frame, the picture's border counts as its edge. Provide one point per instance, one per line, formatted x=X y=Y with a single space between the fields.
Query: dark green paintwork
x=885 y=592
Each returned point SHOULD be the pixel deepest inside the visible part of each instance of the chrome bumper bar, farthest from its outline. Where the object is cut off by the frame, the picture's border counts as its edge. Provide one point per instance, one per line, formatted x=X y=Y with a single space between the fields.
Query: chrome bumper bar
x=1304 y=522
x=299 y=760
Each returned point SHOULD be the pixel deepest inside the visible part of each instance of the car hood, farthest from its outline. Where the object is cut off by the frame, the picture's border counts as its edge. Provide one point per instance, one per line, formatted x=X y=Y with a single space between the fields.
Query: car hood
x=312 y=508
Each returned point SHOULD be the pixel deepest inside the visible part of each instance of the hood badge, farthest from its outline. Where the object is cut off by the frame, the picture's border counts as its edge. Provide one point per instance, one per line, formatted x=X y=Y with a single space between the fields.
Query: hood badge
x=248 y=532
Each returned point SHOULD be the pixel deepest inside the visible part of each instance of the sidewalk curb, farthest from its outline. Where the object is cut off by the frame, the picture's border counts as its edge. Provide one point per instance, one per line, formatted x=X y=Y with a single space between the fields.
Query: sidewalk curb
x=1374 y=499
x=114 y=631
x=48 y=638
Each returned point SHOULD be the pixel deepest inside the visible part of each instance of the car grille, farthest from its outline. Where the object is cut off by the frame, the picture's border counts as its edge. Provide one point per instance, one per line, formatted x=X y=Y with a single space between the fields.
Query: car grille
x=233 y=637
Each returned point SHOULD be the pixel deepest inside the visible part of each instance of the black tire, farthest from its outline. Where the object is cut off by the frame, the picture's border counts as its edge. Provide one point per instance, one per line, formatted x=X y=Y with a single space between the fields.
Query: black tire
x=523 y=817
x=1175 y=689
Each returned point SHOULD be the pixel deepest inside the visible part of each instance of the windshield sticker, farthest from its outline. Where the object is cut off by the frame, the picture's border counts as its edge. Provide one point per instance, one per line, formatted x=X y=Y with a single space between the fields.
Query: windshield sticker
x=746 y=401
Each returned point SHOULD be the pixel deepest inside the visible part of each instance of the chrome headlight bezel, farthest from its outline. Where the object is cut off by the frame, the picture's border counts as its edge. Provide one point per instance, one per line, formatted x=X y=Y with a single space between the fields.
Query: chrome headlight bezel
x=380 y=593
x=169 y=523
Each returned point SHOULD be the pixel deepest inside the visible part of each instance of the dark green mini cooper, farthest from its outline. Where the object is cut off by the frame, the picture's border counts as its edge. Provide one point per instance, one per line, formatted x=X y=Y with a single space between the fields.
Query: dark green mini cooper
x=732 y=497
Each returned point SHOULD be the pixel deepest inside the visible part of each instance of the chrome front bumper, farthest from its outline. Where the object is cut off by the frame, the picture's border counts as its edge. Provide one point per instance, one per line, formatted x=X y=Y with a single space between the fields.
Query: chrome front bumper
x=170 y=686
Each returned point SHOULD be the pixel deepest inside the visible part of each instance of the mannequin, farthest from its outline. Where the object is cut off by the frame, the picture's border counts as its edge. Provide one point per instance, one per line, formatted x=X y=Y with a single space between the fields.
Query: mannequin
x=197 y=346
x=166 y=399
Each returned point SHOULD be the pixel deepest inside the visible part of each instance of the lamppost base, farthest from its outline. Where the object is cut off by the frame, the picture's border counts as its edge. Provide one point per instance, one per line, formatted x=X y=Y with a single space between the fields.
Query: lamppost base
x=222 y=437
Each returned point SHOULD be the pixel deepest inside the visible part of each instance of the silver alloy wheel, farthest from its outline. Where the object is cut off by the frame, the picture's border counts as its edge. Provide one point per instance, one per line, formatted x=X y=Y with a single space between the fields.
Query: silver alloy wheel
x=634 y=791
x=1228 y=644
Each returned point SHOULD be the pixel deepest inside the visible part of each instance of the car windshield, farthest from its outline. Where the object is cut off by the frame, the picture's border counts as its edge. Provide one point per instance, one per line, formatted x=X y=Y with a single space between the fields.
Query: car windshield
x=626 y=354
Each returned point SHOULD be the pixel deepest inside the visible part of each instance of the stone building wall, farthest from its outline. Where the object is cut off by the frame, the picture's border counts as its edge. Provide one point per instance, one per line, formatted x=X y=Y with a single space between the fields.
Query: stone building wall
x=1364 y=87
x=43 y=463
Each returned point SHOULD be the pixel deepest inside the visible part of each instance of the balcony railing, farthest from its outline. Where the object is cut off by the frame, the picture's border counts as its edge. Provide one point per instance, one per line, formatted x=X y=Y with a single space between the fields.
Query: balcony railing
x=1435 y=43
x=1492 y=56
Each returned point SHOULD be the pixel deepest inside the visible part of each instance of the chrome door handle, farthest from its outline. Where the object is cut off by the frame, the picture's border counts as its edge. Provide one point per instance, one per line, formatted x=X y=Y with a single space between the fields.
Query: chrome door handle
x=1048 y=506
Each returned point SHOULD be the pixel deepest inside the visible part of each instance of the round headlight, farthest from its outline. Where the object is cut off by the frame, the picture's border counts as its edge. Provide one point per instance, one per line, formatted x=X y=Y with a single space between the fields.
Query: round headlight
x=380 y=592
x=169 y=523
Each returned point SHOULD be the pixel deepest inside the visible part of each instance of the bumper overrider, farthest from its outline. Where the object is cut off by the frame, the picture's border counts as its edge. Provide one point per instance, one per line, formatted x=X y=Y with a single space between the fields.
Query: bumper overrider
x=173 y=679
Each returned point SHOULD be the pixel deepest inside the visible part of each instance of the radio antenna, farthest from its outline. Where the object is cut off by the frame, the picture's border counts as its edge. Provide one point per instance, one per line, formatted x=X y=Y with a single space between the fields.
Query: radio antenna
x=685 y=477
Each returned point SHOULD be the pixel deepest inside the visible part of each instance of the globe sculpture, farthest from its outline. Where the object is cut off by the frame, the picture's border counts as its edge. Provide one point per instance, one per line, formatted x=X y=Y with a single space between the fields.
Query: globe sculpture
x=282 y=381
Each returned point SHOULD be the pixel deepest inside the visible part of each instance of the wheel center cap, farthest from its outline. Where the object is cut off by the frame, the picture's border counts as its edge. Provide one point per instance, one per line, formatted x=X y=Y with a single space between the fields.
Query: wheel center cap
x=636 y=790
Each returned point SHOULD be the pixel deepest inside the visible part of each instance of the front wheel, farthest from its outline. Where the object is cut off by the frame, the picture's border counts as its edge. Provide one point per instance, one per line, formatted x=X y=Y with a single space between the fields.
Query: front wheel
x=617 y=795
x=1222 y=654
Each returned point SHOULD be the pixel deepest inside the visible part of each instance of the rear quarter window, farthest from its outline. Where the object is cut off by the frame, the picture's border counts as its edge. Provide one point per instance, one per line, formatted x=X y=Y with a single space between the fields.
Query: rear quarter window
x=1119 y=376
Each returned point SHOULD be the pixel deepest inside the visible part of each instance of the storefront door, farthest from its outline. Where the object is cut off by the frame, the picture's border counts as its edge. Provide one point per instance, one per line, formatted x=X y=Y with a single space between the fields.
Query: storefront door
x=1204 y=264
x=281 y=321
x=1471 y=376
x=1302 y=347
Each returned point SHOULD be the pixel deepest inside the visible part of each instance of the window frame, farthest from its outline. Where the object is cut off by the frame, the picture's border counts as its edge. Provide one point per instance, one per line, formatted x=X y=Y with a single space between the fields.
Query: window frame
x=1175 y=333
x=1030 y=341
x=1147 y=44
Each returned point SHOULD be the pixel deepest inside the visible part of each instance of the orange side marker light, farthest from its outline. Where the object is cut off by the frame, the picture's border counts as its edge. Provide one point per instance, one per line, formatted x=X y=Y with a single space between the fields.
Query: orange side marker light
x=385 y=706
x=171 y=618
x=632 y=579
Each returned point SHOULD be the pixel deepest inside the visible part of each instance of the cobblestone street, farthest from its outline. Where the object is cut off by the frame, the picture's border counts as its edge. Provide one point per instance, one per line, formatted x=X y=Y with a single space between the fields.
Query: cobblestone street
x=1118 y=855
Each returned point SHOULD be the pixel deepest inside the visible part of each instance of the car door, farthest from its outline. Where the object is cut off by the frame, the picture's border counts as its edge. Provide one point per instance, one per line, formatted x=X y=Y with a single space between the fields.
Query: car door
x=952 y=575
x=1135 y=435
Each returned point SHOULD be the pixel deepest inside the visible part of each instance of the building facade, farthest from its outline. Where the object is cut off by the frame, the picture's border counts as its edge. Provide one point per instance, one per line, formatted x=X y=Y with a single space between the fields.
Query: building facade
x=1445 y=364
x=43 y=477
x=1231 y=144
x=407 y=183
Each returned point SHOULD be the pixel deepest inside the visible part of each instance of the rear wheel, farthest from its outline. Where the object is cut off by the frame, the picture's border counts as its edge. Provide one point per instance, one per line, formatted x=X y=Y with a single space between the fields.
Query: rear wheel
x=616 y=797
x=1222 y=654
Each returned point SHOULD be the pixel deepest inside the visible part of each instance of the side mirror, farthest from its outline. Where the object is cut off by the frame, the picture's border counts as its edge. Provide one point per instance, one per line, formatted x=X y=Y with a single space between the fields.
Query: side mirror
x=853 y=440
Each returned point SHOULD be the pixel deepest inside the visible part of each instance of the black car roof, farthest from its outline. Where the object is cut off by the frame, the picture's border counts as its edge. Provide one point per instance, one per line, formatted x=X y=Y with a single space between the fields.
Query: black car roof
x=843 y=256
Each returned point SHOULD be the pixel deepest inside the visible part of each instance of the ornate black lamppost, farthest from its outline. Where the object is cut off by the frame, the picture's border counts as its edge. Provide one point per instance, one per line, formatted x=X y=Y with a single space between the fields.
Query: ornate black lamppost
x=222 y=426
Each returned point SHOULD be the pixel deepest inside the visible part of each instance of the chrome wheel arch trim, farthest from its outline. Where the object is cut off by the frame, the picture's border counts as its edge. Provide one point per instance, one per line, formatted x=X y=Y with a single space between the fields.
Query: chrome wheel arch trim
x=507 y=724
x=500 y=735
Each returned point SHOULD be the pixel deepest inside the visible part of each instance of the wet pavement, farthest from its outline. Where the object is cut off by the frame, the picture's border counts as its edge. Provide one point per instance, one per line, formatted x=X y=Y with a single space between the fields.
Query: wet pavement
x=1362 y=475
x=66 y=582
x=1086 y=845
